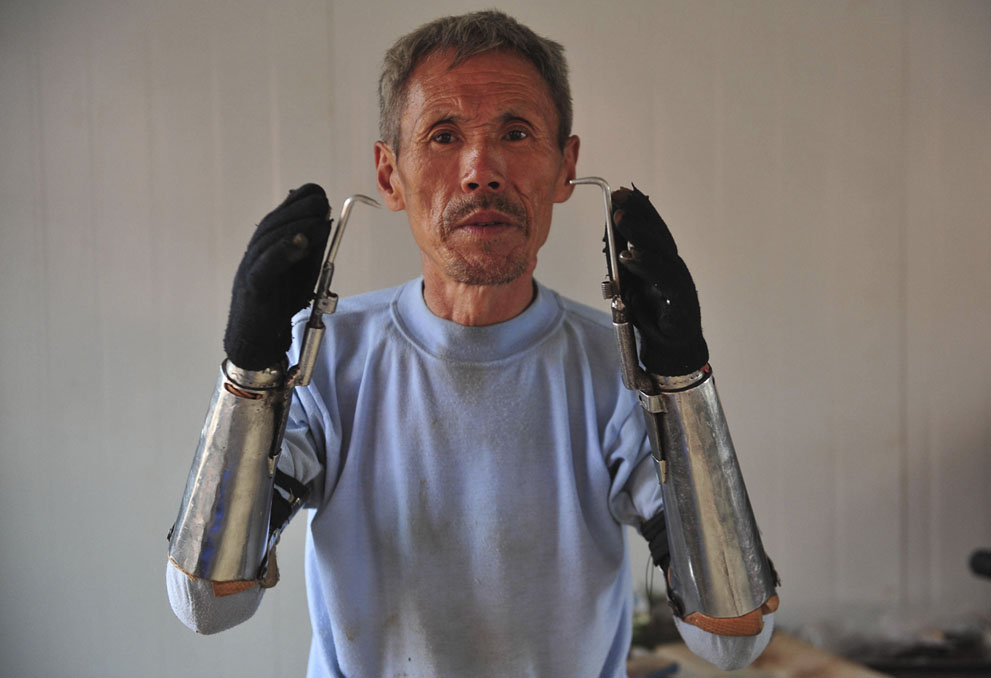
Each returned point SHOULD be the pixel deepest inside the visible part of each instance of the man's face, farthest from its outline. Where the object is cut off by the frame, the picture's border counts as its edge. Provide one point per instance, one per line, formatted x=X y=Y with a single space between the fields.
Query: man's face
x=479 y=166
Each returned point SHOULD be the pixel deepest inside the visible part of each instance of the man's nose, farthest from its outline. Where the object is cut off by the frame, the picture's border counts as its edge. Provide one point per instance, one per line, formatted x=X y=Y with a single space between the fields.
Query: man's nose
x=482 y=168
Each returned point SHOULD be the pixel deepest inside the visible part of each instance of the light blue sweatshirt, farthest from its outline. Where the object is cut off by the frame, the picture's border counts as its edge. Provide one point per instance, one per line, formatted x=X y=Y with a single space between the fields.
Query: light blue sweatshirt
x=470 y=486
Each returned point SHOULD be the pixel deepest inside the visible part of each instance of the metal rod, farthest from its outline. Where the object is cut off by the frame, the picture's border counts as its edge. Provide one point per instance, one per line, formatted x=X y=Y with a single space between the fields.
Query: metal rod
x=324 y=301
x=323 y=293
x=610 y=235
x=634 y=376
x=342 y=222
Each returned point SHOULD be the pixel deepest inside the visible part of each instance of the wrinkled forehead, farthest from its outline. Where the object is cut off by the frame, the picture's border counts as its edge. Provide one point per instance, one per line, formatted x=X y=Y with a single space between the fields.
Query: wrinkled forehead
x=496 y=79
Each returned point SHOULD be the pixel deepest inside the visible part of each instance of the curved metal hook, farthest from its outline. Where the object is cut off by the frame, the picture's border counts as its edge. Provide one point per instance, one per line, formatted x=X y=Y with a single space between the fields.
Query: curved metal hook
x=335 y=242
x=324 y=301
x=634 y=377
x=613 y=272
x=323 y=296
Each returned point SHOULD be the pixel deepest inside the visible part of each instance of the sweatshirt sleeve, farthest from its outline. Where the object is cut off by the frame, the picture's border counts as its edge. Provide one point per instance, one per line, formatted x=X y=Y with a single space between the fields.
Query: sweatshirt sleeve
x=635 y=494
x=195 y=601
x=200 y=609
x=726 y=652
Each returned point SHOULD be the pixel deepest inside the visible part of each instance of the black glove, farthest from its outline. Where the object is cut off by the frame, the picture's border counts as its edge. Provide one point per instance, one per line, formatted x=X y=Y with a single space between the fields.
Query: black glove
x=276 y=278
x=658 y=289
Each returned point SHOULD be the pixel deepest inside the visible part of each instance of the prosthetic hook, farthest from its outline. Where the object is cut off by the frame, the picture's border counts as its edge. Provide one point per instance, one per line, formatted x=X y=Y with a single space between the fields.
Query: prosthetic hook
x=224 y=531
x=324 y=301
x=719 y=576
x=634 y=377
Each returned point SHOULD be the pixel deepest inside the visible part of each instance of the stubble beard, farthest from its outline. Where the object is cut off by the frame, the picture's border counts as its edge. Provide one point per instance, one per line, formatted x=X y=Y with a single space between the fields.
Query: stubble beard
x=487 y=264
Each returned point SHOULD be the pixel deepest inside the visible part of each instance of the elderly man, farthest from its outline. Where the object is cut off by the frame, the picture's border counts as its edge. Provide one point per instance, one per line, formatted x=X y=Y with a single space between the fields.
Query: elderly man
x=466 y=444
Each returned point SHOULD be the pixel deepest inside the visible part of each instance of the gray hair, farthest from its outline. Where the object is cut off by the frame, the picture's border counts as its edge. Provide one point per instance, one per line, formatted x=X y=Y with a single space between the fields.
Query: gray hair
x=470 y=35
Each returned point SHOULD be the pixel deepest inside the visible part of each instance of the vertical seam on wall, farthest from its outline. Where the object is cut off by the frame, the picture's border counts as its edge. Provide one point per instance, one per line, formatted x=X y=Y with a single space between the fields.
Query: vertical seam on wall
x=153 y=215
x=274 y=119
x=42 y=233
x=779 y=154
x=902 y=348
x=218 y=199
x=96 y=172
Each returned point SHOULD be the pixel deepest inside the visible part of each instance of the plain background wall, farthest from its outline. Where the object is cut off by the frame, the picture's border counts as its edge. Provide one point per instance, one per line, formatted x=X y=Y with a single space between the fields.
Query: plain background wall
x=824 y=166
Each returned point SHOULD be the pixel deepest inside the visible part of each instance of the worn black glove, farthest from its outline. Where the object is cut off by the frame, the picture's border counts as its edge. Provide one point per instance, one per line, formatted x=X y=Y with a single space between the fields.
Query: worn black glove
x=276 y=278
x=658 y=289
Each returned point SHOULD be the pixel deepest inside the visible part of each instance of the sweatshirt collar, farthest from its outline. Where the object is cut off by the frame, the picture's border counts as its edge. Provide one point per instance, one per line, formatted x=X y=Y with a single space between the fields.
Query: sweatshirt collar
x=450 y=341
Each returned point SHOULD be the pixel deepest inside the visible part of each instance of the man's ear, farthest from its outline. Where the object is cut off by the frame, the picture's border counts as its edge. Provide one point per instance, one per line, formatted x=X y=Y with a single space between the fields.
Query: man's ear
x=564 y=188
x=387 y=177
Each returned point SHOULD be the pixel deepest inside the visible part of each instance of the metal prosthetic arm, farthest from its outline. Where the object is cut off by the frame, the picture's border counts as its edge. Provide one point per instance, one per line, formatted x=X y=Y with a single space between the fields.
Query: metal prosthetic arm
x=719 y=578
x=236 y=501
x=223 y=532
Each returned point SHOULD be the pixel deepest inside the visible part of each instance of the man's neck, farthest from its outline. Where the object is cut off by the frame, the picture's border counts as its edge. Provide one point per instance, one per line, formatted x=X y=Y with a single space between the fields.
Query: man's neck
x=477 y=305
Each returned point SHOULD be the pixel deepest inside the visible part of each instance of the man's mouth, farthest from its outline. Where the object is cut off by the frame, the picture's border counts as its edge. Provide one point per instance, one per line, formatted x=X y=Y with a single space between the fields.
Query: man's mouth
x=487 y=219
x=484 y=215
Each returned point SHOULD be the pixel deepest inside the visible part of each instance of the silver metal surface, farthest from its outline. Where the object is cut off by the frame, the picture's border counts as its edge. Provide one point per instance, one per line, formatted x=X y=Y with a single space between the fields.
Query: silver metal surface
x=271 y=377
x=613 y=273
x=221 y=533
x=312 y=338
x=718 y=564
x=652 y=403
x=324 y=300
x=634 y=377
x=682 y=382
x=349 y=202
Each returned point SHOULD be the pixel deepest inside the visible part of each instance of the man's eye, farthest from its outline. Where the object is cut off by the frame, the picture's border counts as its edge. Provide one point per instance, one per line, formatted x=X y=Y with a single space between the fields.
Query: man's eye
x=517 y=135
x=443 y=137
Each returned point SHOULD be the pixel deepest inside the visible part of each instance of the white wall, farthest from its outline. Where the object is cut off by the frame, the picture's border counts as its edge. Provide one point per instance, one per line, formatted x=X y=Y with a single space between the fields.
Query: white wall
x=824 y=166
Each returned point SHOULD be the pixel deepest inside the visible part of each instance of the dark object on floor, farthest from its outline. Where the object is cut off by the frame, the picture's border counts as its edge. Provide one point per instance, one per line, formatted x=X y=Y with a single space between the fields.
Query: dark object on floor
x=670 y=670
x=958 y=652
x=980 y=563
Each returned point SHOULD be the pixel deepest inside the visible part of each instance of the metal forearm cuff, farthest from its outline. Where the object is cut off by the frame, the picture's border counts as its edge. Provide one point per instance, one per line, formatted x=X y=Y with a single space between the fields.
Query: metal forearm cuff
x=222 y=530
x=718 y=566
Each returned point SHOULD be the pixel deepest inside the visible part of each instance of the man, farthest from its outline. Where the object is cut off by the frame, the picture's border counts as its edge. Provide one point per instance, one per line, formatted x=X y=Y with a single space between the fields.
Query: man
x=466 y=443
